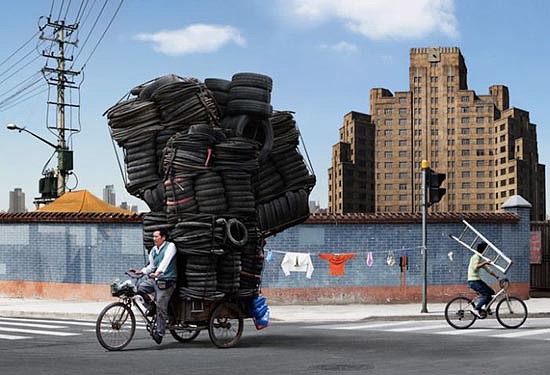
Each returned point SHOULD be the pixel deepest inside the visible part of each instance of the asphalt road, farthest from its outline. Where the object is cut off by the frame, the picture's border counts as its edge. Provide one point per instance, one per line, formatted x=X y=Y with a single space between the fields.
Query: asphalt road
x=41 y=346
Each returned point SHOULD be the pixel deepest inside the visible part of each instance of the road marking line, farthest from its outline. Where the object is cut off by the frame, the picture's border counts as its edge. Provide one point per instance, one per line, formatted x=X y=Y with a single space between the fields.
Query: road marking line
x=11 y=337
x=367 y=326
x=463 y=331
x=418 y=328
x=48 y=321
x=47 y=326
x=38 y=332
x=522 y=333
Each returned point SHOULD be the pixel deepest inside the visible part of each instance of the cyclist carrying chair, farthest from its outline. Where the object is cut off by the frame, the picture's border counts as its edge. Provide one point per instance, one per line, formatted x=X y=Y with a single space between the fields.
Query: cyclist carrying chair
x=476 y=283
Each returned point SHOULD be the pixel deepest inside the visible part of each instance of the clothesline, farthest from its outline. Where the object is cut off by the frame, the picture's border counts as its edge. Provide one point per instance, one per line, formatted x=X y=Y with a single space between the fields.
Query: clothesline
x=356 y=252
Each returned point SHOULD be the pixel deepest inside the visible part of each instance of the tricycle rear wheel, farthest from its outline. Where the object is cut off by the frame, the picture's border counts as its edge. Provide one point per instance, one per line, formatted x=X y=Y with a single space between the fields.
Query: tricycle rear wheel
x=226 y=325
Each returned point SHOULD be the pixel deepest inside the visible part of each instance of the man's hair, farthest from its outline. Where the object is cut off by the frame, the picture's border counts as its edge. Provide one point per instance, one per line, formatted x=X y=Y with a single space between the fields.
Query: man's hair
x=163 y=232
x=481 y=247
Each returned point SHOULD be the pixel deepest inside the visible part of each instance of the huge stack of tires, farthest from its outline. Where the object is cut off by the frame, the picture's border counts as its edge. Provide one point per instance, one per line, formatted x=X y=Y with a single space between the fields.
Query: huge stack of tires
x=219 y=169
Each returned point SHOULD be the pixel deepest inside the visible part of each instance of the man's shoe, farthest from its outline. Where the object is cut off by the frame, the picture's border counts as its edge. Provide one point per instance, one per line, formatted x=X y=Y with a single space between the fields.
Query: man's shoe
x=157 y=338
x=476 y=313
x=151 y=311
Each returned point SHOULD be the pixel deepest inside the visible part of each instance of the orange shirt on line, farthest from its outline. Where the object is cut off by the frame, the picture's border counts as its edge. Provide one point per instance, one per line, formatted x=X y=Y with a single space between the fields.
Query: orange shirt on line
x=336 y=262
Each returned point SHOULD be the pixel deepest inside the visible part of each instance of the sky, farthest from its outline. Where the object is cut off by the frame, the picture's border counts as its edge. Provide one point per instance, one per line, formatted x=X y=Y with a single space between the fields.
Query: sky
x=323 y=55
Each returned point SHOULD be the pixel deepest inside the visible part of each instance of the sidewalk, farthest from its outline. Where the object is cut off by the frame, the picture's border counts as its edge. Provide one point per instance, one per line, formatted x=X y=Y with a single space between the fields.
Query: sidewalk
x=41 y=308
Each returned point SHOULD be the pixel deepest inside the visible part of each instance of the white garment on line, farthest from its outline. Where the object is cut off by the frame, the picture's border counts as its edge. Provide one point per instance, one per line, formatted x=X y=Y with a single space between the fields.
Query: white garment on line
x=297 y=262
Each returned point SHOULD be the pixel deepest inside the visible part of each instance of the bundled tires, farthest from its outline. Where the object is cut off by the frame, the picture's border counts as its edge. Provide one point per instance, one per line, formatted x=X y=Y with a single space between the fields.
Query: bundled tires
x=218 y=168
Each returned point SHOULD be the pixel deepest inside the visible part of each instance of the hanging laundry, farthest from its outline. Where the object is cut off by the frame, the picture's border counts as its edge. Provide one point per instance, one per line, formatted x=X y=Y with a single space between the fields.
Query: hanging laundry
x=268 y=255
x=390 y=259
x=297 y=262
x=404 y=262
x=337 y=262
x=370 y=260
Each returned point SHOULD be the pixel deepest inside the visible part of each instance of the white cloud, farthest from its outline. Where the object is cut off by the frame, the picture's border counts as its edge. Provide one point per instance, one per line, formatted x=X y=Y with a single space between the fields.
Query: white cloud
x=197 y=38
x=342 y=46
x=383 y=19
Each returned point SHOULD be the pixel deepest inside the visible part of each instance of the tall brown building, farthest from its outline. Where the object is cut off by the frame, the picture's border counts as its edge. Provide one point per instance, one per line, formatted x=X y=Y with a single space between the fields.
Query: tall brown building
x=487 y=149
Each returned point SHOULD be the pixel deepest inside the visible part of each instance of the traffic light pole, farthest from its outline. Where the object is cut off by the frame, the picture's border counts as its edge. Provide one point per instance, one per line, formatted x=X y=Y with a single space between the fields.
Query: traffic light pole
x=424 y=240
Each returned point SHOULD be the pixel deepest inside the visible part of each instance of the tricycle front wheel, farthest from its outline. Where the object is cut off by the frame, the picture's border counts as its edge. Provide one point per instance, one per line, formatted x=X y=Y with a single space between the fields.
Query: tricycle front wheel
x=115 y=326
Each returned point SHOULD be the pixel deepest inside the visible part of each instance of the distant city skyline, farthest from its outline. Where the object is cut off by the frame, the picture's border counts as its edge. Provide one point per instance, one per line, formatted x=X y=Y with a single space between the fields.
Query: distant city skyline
x=17 y=201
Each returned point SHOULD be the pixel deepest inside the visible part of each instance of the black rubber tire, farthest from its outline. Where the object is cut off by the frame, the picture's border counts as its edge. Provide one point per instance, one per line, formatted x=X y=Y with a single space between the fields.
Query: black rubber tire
x=185 y=335
x=236 y=232
x=457 y=311
x=249 y=93
x=224 y=317
x=520 y=312
x=217 y=84
x=253 y=80
x=253 y=107
x=121 y=313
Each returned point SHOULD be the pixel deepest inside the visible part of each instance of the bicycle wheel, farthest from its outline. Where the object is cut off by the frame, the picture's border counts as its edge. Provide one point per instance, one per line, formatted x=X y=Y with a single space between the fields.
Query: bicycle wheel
x=225 y=326
x=115 y=326
x=183 y=334
x=458 y=314
x=511 y=312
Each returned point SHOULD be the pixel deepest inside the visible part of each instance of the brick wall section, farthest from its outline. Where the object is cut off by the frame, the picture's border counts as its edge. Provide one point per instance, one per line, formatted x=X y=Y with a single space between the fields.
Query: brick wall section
x=38 y=258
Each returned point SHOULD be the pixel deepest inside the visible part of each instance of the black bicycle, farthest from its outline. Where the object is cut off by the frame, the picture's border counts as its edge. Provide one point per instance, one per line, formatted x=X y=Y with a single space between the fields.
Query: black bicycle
x=116 y=324
x=511 y=312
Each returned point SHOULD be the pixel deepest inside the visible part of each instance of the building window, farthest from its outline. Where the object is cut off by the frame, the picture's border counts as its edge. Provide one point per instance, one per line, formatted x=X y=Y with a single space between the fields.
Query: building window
x=479 y=120
x=402 y=186
x=417 y=90
x=433 y=90
x=402 y=100
x=465 y=163
x=433 y=100
x=465 y=131
x=480 y=130
x=450 y=78
x=466 y=174
x=433 y=111
x=479 y=109
x=465 y=207
x=480 y=152
x=402 y=154
x=465 y=141
x=388 y=164
x=464 y=120
x=465 y=98
x=402 y=143
x=388 y=176
x=480 y=185
x=480 y=141
x=402 y=121
x=480 y=163
x=388 y=111
x=450 y=99
x=465 y=185
x=388 y=187
x=402 y=131
x=450 y=89
x=388 y=122
x=464 y=109
x=387 y=143
x=451 y=121
x=417 y=79
x=402 y=111
x=387 y=132
x=450 y=109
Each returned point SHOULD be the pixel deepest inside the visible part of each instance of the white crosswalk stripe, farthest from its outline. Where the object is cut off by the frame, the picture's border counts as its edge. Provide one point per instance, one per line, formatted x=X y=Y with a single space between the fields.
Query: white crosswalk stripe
x=537 y=329
x=12 y=337
x=37 y=332
x=26 y=328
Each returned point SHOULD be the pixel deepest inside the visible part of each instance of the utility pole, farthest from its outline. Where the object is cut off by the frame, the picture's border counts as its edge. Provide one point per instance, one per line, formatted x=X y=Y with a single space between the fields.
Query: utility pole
x=424 y=309
x=61 y=79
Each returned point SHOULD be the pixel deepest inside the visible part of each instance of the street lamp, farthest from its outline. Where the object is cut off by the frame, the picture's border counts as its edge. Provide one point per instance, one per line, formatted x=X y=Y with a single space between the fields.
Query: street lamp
x=12 y=126
x=48 y=186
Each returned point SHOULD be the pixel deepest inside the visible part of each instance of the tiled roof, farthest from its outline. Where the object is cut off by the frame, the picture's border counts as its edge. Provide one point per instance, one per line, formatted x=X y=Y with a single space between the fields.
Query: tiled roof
x=69 y=217
x=401 y=217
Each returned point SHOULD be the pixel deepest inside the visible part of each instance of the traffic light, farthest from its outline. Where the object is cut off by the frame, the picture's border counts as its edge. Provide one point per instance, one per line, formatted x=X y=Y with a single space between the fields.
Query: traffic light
x=434 y=181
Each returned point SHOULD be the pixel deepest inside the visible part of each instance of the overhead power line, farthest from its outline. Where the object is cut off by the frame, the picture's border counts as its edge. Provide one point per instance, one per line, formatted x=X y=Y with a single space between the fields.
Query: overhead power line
x=20 y=48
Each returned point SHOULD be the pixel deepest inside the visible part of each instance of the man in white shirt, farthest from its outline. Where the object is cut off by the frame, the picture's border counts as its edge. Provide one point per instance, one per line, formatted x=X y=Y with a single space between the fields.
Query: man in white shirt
x=162 y=272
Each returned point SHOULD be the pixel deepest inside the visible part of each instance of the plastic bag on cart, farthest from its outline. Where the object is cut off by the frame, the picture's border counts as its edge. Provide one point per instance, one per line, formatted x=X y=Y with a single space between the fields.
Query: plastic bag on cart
x=260 y=312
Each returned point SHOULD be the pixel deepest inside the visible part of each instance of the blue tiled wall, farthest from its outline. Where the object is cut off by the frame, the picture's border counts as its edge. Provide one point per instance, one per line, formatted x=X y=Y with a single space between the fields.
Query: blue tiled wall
x=69 y=253
x=98 y=253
